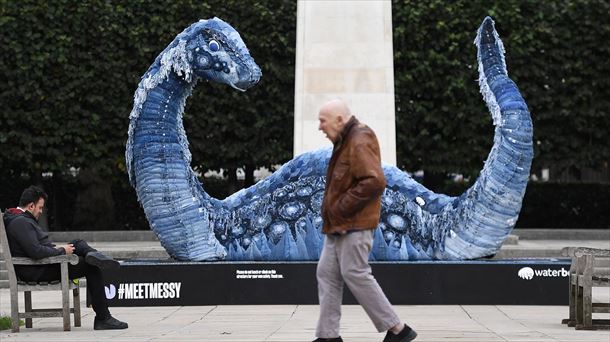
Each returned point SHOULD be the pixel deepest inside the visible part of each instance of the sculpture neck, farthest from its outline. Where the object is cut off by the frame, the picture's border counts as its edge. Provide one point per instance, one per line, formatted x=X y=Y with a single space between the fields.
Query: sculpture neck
x=165 y=102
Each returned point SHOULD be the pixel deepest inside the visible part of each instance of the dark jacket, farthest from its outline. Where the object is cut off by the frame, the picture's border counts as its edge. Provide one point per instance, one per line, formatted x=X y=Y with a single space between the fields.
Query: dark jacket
x=354 y=181
x=26 y=238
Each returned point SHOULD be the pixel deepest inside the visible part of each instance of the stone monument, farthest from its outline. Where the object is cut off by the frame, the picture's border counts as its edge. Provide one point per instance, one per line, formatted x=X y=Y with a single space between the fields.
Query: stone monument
x=344 y=50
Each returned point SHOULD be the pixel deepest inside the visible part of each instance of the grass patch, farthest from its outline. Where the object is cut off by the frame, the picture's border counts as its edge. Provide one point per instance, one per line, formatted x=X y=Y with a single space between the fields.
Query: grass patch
x=5 y=322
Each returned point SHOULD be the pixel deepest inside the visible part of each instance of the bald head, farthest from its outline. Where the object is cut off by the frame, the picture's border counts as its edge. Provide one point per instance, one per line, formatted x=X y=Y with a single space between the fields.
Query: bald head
x=333 y=116
x=336 y=107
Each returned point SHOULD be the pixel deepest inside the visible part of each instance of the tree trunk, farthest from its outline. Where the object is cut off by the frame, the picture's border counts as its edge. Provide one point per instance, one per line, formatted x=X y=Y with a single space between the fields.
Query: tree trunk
x=249 y=173
x=434 y=181
x=232 y=185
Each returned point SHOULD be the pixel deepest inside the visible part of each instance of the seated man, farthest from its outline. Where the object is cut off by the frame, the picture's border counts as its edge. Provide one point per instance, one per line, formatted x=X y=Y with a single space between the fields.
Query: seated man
x=27 y=239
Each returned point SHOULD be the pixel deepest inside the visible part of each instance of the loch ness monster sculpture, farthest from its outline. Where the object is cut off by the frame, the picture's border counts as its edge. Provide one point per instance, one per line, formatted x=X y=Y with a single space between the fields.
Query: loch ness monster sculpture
x=278 y=218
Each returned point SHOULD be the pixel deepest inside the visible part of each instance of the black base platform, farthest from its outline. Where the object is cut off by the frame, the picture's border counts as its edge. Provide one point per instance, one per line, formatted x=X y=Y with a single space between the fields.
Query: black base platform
x=486 y=282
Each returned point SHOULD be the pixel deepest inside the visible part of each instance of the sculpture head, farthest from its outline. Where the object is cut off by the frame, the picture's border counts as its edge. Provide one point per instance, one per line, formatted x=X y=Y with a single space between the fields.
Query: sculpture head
x=211 y=49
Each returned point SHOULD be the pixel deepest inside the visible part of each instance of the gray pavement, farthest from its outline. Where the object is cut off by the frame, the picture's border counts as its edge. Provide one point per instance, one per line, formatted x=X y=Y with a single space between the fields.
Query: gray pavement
x=466 y=323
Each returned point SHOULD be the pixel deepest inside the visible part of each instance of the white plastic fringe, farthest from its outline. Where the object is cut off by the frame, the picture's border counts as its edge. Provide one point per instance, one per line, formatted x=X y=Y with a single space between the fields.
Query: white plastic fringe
x=488 y=95
x=174 y=59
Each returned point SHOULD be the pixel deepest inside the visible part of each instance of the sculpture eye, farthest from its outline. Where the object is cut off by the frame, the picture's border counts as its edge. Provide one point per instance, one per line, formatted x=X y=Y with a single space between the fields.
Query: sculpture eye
x=214 y=46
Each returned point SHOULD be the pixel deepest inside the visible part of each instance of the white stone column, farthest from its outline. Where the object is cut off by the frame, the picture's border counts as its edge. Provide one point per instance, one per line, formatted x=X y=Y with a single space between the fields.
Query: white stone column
x=344 y=50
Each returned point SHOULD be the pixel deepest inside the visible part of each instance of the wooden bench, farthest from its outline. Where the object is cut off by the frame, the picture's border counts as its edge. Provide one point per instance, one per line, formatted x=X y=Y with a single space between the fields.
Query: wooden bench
x=589 y=269
x=64 y=285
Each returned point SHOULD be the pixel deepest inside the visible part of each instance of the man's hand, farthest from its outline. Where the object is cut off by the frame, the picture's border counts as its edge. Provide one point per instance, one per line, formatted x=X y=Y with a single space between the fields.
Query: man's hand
x=69 y=248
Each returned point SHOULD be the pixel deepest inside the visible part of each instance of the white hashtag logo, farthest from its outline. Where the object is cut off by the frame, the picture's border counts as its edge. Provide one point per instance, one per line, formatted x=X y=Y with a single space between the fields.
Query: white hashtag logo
x=110 y=291
x=121 y=290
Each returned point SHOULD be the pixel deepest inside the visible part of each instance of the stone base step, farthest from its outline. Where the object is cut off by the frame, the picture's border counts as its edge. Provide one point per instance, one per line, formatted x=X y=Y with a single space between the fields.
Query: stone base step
x=518 y=233
x=562 y=234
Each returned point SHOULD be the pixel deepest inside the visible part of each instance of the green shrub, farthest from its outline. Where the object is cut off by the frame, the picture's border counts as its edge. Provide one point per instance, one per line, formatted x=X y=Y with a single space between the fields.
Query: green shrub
x=5 y=322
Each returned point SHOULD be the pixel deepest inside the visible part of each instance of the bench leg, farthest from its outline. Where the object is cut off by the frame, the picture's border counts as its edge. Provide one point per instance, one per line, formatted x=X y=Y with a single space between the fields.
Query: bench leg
x=27 y=296
x=76 y=296
x=587 y=301
x=65 y=296
x=587 y=309
x=577 y=306
x=14 y=309
x=572 y=300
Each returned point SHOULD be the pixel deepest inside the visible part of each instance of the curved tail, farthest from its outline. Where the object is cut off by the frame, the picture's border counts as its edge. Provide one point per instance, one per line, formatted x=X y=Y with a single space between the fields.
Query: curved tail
x=485 y=214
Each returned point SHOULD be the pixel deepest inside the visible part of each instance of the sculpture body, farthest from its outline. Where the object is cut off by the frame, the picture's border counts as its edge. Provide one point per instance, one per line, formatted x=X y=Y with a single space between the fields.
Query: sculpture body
x=279 y=217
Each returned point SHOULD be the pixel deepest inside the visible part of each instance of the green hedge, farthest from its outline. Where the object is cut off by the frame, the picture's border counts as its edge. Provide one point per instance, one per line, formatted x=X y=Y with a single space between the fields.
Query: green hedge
x=556 y=51
x=69 y=70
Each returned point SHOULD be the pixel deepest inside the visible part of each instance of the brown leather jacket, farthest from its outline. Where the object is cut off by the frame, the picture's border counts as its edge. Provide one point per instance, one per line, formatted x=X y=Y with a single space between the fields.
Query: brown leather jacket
x=354 y=181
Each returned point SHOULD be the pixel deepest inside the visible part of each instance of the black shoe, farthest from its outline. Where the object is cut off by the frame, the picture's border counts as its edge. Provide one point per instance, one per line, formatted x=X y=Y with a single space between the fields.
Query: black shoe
x=108 y=324
x=405 y=335
x=335 y=339
x=101 y=261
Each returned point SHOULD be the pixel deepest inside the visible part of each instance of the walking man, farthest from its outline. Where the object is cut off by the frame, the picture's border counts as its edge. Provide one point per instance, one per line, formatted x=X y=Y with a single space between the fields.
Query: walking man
x=350 y=210
x=27 y=239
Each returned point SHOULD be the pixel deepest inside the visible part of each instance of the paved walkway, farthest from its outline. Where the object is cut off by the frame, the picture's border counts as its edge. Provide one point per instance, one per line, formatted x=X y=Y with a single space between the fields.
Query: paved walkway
x=297 y=323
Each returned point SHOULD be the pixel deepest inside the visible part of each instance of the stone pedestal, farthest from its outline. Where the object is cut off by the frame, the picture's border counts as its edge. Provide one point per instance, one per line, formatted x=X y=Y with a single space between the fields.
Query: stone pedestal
x=344 y=50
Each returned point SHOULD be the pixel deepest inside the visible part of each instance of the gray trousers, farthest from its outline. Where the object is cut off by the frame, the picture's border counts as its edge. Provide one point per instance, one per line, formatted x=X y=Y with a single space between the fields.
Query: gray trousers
x=345 y=259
